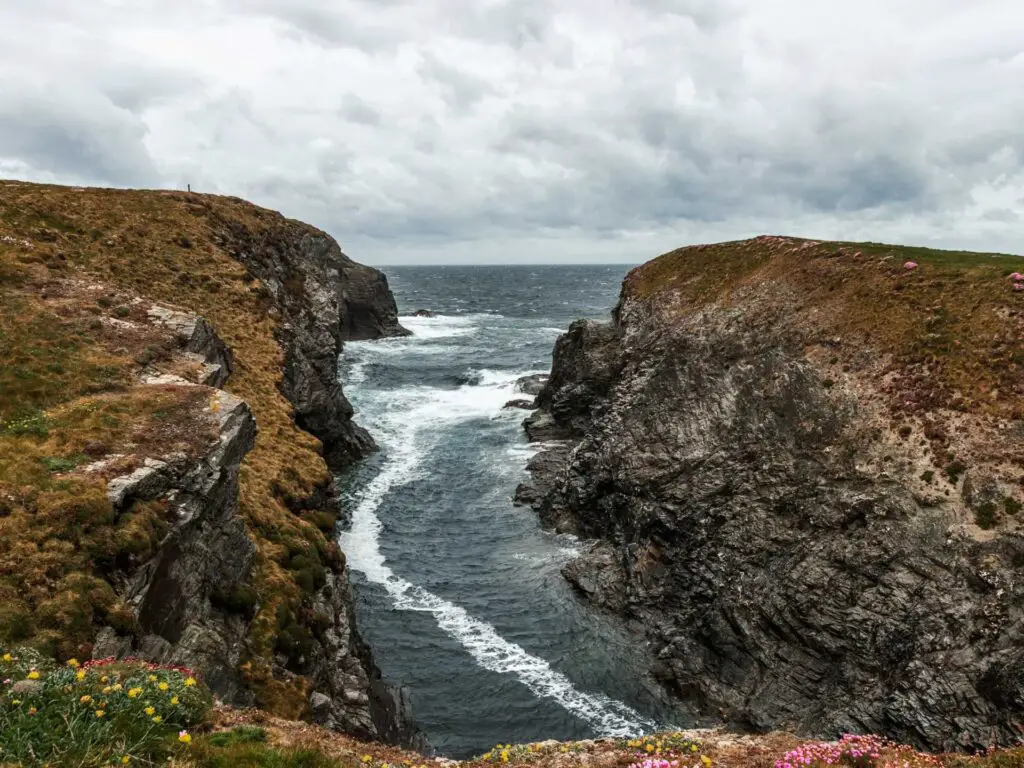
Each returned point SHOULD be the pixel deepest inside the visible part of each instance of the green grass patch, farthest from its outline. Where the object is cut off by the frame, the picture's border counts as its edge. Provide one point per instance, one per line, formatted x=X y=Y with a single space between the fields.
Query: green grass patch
x=96 y=714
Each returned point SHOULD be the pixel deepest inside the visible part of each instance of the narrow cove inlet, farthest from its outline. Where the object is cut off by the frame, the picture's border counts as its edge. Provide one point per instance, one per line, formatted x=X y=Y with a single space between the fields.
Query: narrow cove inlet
x=458 y=591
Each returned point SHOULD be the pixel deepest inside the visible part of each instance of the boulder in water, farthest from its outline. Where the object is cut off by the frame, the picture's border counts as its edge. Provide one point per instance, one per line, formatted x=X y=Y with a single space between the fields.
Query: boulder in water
x=533 y=384
x=527 y=405
x=423 y=313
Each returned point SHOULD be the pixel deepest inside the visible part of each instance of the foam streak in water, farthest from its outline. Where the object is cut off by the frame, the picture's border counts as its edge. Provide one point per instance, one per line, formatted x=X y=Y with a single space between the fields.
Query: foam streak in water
x=493 y=652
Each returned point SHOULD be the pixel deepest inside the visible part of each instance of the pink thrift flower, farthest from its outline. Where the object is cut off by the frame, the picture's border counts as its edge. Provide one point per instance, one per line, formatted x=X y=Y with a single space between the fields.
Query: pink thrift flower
x=1017 y=277
x=910 y=265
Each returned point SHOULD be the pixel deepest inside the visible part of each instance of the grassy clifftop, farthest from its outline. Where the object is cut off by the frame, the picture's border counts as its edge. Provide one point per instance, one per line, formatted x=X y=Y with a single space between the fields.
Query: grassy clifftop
x=928 y=343
x=79 y=270
x=955 y=315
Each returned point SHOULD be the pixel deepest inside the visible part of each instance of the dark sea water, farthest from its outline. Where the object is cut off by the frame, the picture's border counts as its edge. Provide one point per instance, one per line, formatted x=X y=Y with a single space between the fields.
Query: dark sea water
x=458 y=591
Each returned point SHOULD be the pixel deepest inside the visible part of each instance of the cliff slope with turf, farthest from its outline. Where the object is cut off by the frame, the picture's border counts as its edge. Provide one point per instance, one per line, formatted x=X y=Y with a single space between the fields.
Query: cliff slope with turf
x=802 y=467
x=169 y=411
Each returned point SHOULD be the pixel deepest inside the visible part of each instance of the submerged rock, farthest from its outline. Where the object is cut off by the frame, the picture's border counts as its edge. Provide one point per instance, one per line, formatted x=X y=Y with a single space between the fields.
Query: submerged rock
x=424 y=313
x=527 y=405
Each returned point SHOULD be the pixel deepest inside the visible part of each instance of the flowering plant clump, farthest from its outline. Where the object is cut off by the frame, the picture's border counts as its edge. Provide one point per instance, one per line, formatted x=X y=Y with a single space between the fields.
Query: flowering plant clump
x=850 y=750
x=666 y=750
x=527 y=753
x=96 y=712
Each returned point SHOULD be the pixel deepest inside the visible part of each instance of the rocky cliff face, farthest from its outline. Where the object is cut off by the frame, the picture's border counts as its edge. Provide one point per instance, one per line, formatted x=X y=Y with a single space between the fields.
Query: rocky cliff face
x=171 y=405
x=323 y=298
x=787 y=498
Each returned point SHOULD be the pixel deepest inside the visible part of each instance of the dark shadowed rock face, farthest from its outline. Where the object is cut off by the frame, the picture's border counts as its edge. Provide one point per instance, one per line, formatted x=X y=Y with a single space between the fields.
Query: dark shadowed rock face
x=784 y=583
x=206 y=553
x=367 y=306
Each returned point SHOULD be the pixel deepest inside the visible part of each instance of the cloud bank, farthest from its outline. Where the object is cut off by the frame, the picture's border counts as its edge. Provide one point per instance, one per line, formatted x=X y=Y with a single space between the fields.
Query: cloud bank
x=537 y=130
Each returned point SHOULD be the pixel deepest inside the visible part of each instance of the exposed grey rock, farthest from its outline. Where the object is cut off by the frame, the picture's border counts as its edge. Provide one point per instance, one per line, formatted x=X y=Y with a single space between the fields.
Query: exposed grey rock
x=779 y=584
x=541 y=425
x=320 y=706
x=145 y=483
x=109 y=644
x=423 y=313
x=27 y=687
x=198 y=337
x=532 y=384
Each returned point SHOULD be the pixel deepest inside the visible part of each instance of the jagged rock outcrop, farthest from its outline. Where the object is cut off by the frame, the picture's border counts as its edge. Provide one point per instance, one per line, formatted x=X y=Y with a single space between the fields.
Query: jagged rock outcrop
x=755 y=496
x=206 y=553
x=323 y=299
x=199 y=340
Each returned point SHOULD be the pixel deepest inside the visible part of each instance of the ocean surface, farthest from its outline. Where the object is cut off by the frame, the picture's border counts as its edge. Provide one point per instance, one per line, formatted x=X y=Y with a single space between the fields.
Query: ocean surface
x=458 y=591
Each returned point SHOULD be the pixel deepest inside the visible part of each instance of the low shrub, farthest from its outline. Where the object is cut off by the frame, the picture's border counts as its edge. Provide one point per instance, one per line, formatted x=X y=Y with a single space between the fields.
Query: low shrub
x=96 y=713
x=985 y=515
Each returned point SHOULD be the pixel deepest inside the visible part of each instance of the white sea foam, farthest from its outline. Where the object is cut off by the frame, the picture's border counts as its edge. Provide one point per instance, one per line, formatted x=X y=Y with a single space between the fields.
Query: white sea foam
x=403 y=428
x=443 y=326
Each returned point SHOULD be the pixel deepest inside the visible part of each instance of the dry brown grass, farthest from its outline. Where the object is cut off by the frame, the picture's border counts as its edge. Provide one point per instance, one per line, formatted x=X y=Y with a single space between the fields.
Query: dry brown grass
x=71 y=263
x=714 y=749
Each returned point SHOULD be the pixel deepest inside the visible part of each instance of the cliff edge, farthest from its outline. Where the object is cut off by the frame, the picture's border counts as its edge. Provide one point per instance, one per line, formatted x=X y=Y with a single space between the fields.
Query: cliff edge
x=169 y=421
x=801 y=466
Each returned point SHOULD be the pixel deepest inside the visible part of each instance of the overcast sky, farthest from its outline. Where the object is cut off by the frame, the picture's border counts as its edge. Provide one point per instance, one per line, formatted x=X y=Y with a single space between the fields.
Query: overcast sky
x=537 y=130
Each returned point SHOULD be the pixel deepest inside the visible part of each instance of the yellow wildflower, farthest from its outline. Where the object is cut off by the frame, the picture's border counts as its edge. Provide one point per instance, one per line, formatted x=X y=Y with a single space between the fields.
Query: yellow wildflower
x=157 y=719
x=7 y=657
x=85 y=699
x=150 y=710
x=650 y=747
x=32 y=710
x=15 y=701
x=104 y=679
x=80 y=674
x=126 y=759
x=33 y=675
x=73 y=663
x=693 y=747
x=116 y=687
x=184 y=737
x=504 y=755
x=134 y=692
x=174 y=701
x=366 y=758
x=100 y=713
x=107 y=689
x=706 y=760
x=152 y=678
x=189 y=682
x=163 y=686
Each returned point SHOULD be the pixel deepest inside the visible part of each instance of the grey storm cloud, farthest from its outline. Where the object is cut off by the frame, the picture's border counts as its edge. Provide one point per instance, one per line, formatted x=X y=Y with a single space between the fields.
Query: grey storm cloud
x=81 y=136
x=453 y=130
